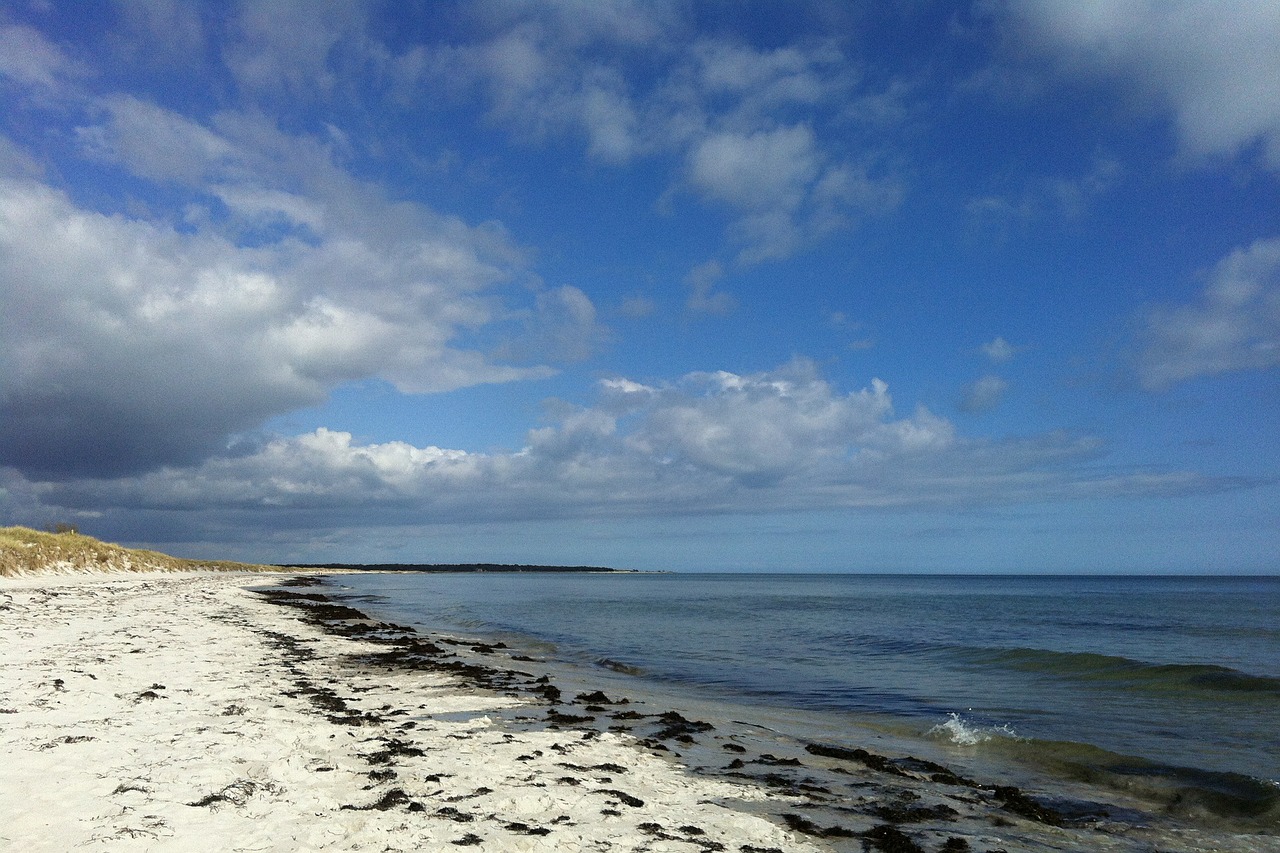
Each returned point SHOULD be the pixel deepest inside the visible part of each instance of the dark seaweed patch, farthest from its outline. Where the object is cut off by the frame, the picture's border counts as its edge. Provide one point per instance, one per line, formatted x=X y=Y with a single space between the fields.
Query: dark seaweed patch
x=450 y=813
x=389 y=800
x=393 y=749
x=897 y=813
x=623 y=797
x=1014 y=800
x=868 y=759
x=890 y=839
x=554 y=716
x=677 y=727
x=796 y=823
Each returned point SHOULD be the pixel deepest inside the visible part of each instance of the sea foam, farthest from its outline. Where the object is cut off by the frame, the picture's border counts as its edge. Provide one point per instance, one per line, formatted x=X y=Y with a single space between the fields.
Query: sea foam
x=963 y=733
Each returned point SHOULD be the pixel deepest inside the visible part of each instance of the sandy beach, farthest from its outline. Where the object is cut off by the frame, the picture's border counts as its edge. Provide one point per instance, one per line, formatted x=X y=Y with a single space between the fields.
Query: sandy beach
x=188 y=712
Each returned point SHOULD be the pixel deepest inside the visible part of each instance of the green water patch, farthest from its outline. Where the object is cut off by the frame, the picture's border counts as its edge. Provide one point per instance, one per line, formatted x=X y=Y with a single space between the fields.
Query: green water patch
x=1228 y=800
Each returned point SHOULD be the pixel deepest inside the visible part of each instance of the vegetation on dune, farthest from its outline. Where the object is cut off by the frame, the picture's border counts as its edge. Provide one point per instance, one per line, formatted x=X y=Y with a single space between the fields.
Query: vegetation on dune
x=31 y=552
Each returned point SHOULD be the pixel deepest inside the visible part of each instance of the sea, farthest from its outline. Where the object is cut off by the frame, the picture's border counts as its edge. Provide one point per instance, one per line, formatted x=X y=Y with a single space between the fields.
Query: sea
x=1163 y=689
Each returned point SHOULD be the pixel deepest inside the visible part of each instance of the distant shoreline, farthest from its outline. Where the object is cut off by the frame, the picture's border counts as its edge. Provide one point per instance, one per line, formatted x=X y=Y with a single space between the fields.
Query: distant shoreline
x=461 y=567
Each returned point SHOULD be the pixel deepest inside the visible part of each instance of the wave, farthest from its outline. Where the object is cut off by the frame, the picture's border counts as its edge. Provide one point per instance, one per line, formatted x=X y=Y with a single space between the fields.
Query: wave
x=961 y=732
x=1129 y=673
x=1228 y=799
x=619 y=666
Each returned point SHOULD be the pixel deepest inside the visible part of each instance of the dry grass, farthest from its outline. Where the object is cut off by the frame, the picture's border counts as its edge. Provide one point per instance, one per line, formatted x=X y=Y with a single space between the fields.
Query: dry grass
x=31 y=552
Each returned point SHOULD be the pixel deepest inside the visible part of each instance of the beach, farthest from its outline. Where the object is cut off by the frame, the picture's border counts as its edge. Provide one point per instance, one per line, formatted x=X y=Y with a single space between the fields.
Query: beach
x=250 y=712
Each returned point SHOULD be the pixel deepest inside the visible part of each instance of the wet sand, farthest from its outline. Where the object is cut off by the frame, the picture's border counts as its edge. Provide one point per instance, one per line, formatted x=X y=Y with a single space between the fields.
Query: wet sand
x=188 y=712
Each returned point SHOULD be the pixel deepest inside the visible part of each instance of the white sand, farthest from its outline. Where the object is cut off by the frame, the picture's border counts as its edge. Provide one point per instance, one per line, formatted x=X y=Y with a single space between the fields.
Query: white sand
x=129 y=700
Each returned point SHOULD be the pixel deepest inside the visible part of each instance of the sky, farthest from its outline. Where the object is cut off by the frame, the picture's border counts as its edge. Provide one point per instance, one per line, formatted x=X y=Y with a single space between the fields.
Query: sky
x=911 y=286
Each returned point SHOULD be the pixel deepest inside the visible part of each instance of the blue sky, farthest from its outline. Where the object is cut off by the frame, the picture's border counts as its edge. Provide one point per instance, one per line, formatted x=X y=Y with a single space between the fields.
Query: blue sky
x=912 y=286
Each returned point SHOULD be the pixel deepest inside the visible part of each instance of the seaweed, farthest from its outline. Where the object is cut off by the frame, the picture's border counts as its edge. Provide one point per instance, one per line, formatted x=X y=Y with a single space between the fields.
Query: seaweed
x=890 y=839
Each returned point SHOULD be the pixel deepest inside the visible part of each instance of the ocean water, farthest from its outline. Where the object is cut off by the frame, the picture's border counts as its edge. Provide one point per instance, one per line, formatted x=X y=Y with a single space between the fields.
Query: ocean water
x=1164 y=687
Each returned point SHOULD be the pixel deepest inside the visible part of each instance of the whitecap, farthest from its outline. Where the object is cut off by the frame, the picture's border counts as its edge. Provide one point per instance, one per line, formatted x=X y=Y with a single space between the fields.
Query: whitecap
x=959 y=731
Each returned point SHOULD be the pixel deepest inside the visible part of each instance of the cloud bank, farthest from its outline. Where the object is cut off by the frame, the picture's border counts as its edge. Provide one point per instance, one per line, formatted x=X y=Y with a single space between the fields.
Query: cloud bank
x=709 y=443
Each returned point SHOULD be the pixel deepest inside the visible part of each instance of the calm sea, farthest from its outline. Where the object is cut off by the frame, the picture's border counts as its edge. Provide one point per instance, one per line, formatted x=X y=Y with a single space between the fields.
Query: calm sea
x=1171 y=680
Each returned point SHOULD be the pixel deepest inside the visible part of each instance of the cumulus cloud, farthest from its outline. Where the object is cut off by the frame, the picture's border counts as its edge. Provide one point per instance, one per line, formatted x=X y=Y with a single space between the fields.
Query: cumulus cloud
x=128 y=344
x=706 y=443
x=131 y=342
x=1212 y=62
x=1235 y=325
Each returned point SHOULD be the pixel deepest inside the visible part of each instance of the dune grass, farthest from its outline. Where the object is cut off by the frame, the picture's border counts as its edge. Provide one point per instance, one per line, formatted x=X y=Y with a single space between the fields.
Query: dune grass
x=24 y=551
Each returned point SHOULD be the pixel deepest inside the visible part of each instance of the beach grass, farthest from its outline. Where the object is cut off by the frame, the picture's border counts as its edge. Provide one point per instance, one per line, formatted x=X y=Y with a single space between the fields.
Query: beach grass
x=24 y=551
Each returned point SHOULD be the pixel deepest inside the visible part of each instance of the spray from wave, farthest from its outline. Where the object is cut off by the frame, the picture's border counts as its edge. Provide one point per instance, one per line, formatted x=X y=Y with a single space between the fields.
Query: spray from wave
x=961 y=732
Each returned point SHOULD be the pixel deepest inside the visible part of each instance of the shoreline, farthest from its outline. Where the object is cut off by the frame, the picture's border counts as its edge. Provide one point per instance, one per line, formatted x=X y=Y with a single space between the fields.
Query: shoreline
x=146 y=712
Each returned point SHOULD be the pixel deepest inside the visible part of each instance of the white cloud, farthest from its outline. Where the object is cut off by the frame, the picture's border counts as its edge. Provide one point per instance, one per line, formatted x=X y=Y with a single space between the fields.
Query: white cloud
x=1234 y=326
x=983 y=394
x=708 y=443
x=999 y=350
x=744 y=122
x=286 y=47
x=34 y=62
x=130 y=343
x=1211 y=61
x=1066 y=197
x=154 y=142
x=15 y=161
x=766 y=82
x=764 y=170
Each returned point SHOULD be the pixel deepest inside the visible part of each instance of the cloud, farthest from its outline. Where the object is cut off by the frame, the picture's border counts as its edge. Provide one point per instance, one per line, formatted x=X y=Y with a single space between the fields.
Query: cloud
x=760 y=133
x=33 y=62
x=999 y=350
x=1066 y=197
x=984 y=394
x=637 y=306
x=288 y=47
x=133 y=342
x=167 y=31
x=1212 y=62
x=1234 y=326
x=703 y=298
x=562 y=327
x=252 y=275
x=762 y=170
x=766 y=174
x=706 y=443
x=155 y=143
